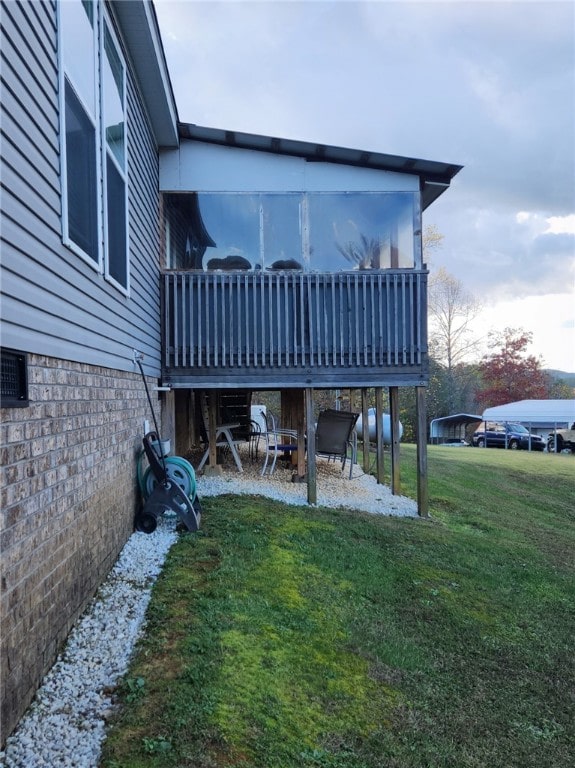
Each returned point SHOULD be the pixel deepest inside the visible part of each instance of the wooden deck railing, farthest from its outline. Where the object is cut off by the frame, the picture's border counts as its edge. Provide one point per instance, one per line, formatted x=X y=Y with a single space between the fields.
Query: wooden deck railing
x=301 y=329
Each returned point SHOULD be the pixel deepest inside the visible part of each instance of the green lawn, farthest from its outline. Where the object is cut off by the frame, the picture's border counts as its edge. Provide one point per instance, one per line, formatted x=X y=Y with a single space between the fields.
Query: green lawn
x=286 y=636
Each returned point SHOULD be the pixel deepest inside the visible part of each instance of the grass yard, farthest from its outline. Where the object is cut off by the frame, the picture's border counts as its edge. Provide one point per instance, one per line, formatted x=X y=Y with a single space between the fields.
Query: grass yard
x=284 y=636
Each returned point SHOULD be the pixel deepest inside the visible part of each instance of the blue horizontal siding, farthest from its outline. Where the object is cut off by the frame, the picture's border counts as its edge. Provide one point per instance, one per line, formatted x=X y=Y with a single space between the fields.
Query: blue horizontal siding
x=53 y=302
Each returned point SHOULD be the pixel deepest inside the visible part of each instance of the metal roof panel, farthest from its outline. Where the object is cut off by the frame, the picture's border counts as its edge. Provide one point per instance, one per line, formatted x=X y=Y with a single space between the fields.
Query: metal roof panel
x=435 y=176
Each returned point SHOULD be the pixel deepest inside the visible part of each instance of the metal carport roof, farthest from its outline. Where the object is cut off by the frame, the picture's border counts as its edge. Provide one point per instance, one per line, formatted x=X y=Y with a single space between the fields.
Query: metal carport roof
x=560 y=412
x=448 y=426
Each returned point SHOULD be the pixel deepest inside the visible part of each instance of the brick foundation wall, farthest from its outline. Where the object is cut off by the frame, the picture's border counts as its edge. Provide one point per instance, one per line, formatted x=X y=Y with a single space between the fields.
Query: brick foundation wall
x=68 y=498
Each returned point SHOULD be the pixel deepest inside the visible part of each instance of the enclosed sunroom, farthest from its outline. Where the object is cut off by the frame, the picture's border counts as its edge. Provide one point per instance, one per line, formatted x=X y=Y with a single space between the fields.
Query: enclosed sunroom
x=294 y=266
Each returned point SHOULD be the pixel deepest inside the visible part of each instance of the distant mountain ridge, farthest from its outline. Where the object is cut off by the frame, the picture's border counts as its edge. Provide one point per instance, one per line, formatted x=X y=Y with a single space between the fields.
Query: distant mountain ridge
x=569 y=378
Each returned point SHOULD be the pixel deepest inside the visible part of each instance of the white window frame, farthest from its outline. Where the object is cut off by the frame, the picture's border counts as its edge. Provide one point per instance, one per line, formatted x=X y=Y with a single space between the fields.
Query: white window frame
x=107 y=153
x=101 y=264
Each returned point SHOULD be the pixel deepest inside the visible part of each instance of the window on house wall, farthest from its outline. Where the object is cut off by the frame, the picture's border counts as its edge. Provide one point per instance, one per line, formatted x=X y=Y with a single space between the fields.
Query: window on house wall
x=317 y=232
x=93 y=108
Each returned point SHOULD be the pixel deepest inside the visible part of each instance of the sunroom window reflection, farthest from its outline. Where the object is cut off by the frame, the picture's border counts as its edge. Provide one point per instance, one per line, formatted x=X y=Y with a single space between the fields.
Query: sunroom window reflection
x=317 y=232
x=361 y=230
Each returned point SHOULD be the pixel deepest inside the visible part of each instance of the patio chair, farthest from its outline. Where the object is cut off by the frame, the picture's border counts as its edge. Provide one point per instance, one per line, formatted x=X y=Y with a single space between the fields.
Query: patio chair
x=278 y=440
x=335 y=436
x=254 y=436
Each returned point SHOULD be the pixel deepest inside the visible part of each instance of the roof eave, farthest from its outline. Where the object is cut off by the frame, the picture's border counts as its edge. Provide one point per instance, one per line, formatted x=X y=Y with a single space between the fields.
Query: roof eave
x=435 y=176
x=141 y=33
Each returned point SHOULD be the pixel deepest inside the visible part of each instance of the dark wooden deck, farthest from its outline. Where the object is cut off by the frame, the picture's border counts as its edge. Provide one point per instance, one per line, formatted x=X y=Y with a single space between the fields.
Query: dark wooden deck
x=294 y=329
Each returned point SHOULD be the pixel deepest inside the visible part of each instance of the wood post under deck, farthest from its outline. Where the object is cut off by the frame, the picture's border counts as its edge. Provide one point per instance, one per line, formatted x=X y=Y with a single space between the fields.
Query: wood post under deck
x=311 y=466
x=379 y=435
x=365 y=430
x=421 y=415
x=293 y=417
x=212 y=419
x=394 y=426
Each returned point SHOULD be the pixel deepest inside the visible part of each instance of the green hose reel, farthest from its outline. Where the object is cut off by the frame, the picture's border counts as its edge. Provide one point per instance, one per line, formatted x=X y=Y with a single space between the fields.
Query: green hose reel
x=167 y=484
x=179 y=471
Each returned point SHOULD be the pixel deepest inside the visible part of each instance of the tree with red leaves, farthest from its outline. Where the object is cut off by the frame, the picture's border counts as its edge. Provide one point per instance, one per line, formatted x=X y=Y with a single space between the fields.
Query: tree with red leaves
x=508 y=374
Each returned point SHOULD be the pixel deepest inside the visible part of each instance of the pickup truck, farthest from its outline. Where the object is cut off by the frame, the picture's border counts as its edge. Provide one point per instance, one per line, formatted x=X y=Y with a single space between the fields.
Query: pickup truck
x=561 y=439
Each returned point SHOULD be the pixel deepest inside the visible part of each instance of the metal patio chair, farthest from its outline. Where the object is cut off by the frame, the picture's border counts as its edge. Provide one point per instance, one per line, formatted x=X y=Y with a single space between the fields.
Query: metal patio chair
x=335 y=436
x=278 y=440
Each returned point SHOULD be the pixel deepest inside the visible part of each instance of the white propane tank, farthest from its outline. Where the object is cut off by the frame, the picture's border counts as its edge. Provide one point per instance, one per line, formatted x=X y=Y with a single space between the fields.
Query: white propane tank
x=386 y=422
x=258 y=414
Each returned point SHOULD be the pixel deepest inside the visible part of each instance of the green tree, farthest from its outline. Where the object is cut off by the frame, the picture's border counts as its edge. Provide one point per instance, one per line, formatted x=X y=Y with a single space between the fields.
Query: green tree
x=560 y=389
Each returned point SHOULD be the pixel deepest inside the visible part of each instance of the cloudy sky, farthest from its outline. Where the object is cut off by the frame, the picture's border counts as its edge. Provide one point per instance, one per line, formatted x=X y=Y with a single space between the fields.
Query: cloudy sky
x=489 y=85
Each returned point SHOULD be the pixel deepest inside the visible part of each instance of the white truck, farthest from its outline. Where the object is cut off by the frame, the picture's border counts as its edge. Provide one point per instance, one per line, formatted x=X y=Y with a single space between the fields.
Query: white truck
x=561 y=440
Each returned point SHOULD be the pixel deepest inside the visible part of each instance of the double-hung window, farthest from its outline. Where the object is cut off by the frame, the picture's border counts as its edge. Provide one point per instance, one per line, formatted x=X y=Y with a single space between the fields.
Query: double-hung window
x=93 y=139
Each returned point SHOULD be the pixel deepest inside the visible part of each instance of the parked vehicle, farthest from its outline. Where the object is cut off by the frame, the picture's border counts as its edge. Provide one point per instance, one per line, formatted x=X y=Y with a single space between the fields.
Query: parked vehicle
x=454 y=442
x=561 y=439
x=513 y=436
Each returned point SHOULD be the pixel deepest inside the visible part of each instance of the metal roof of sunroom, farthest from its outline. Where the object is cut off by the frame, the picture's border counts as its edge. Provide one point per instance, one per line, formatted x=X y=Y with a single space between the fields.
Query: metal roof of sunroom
x=435 y=176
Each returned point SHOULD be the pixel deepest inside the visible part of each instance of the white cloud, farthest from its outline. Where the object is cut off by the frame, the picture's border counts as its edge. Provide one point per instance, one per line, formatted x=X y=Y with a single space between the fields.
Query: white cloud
x=550 y=318
x=559 y=225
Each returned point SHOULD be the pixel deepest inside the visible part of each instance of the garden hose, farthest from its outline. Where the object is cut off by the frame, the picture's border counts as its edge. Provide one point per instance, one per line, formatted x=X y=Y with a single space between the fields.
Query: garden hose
x=178 y=471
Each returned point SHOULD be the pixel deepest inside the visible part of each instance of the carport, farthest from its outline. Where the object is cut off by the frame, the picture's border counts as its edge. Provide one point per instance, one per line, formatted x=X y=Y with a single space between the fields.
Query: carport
x=553 y=414
x=449 y=429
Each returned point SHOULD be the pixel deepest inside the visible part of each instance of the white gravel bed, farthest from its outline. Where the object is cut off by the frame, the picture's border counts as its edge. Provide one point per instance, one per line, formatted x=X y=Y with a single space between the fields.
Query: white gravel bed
x=334 y=488
x=66 y=724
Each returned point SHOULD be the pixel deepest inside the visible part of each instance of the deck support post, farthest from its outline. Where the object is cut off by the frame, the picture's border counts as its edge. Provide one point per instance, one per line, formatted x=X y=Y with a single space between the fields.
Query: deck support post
x=394 y=424
x=311 y=466
x=352 y=399
x=212 y=468
x=365 y=429
x=421 y=417
x=379 y=434
x=301 y=459
x=293 y=417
